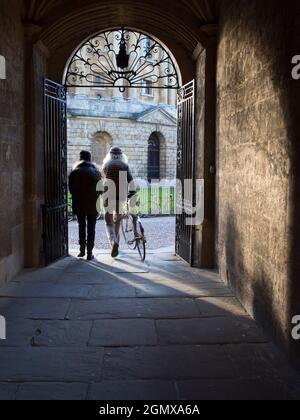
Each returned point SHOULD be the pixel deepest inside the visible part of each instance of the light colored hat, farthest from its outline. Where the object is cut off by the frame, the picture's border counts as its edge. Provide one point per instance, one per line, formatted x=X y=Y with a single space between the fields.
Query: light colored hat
x=116 y=151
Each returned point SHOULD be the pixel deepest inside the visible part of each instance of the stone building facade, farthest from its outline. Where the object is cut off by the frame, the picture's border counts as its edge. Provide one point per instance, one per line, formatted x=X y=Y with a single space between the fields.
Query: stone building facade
x=96 y=124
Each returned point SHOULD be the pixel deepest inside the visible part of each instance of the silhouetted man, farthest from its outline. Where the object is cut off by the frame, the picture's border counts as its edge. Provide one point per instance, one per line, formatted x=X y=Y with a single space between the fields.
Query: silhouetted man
x=82 y=183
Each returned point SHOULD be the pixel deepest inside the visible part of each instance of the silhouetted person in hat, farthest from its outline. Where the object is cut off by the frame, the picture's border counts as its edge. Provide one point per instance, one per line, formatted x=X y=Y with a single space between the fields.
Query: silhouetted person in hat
x=118 y=187
x=83 y=187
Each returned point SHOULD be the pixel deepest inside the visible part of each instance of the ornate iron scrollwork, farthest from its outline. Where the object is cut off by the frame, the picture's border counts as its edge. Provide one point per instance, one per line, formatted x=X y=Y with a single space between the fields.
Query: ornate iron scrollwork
x=122 y=58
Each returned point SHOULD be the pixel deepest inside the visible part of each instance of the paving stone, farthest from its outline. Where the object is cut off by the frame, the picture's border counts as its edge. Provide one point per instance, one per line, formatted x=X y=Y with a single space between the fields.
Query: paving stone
x=31 y=364
x=277 y=359
x=24 y=290
x=34 y=308
x=177 y=281
x=159 y=232
x=170 y=256
x=180 y=285
x=175 y=362
x=19 y=332
x=182 y=277
x=209 y=331
x=52 y=392
x=50 y=336
x=195 y=290
x=134 y=308
x=123 y=264
x=251 y=360
x=63 y=333
x=123 y=332
x=220 y=306
x=98 y=278
x=134 y=279
x=133 y=391
x=112 y=291
x=81 y=266
x=183 y=271
x=61 y=264
x=8 y=391
x=258 y=389
x=38 y=276
x=204 y=275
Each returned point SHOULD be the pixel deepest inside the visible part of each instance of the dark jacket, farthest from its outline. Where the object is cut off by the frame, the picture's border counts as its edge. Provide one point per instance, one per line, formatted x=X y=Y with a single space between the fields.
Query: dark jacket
x=111 y=171
x=82 y=183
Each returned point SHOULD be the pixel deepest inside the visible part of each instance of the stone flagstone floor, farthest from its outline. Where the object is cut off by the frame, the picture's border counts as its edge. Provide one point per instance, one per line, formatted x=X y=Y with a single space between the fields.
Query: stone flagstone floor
x=126 y=330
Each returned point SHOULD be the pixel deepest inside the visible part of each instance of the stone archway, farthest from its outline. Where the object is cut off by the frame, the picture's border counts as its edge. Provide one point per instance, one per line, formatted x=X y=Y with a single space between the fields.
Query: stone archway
x=54 y=28
x=51 y=48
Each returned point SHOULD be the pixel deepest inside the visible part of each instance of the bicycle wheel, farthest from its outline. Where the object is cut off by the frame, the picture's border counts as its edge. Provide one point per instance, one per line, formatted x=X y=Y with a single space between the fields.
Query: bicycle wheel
x=128 y=233
x=141 y=246
x=141 y=243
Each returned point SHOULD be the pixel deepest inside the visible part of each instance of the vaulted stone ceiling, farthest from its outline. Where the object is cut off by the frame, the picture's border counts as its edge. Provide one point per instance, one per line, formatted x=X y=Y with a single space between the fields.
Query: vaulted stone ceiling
x=35 y=10
x=65 y=21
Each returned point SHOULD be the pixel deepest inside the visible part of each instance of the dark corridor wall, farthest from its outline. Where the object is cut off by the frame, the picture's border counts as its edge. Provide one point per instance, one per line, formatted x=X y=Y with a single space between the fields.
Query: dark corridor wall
x=258 y=159
x=11 y=140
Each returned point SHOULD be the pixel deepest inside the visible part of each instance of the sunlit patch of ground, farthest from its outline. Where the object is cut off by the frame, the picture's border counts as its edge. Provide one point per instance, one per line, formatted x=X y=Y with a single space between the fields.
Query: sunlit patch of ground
x=160 y=233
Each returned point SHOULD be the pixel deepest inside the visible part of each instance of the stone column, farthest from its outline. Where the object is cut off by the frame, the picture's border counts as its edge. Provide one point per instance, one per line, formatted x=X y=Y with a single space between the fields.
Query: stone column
x=133 y=93
x=206 y=99
x=163 y=96
x=173 y=97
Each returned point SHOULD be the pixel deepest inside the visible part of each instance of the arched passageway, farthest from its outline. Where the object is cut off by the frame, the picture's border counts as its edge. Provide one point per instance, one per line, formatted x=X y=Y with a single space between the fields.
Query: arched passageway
x=197 y=47
x=55 y=46
x=246 y=136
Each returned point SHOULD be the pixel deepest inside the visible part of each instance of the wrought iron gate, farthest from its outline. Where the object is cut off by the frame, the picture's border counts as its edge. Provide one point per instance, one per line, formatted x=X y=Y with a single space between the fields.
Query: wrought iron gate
x=185 y=170
x=55 y=220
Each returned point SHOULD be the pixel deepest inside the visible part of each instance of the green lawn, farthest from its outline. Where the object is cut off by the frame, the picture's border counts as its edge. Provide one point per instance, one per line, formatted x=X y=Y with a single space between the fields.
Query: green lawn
x=151 y=201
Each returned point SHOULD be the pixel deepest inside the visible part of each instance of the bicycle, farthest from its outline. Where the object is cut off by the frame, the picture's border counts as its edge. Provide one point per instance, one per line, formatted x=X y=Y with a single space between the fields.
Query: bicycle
x=135 y=240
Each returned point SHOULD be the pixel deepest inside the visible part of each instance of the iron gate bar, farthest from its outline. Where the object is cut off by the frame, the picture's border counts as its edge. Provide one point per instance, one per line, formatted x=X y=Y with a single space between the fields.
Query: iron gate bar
x=185 y=170
x=55 y=220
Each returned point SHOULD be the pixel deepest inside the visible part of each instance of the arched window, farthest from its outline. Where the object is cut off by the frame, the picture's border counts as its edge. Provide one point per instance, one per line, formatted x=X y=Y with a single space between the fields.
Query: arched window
x=153 y=157
x=101 y=144
x=147 y=88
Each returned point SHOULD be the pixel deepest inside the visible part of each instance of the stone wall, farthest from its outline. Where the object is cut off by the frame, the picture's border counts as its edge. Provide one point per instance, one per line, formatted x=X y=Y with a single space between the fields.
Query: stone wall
x=205 y=150
x=35 y=72
x=11 y=140
x=254 y=158
x=131 y=136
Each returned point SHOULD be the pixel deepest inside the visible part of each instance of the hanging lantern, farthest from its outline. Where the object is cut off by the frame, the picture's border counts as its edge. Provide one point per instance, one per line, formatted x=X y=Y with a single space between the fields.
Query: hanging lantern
x=123 y=57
